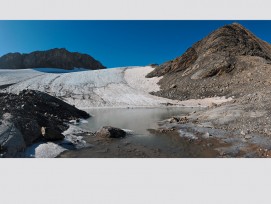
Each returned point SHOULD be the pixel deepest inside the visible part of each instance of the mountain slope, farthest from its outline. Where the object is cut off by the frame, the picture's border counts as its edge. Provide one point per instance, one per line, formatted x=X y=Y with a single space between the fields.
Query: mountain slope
x=54 y=58
x=216 y=53
x=228 y=62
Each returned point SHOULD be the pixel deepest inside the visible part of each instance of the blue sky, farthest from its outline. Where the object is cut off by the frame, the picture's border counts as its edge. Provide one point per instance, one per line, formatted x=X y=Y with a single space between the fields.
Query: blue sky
x=115 y=43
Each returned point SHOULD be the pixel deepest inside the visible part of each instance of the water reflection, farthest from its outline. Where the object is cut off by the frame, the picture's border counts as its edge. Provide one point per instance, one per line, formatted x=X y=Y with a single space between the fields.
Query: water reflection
x=136 y=119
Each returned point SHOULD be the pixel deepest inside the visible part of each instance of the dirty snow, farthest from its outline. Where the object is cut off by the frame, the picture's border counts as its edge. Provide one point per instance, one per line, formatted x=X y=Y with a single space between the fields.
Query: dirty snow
x=44 y=150
x=118 y=87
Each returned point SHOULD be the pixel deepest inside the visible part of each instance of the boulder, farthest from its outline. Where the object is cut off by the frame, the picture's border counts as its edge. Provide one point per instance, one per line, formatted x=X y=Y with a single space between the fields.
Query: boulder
x=51 y=134
x=110 y=132
x=173 y=86
x=29 y=128
x=174 y=120
x=11 y=140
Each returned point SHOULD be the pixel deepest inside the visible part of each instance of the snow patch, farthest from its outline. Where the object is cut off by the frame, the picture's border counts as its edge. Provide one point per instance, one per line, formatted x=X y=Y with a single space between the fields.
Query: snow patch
x=44 y=150
x=135 y=77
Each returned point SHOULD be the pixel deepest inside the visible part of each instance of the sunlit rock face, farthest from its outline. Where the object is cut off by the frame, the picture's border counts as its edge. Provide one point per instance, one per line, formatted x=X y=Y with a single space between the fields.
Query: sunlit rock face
x=54 y=58
x=216 y=53
x=228 y=62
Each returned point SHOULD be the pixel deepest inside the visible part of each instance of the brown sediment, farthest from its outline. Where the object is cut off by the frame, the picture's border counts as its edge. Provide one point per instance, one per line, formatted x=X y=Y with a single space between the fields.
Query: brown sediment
x=131 y=148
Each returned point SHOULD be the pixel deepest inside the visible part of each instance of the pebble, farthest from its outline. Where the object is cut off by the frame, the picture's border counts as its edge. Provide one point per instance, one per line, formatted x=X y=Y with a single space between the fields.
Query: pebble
x=206 y=135
x=243 y=140
x=127 y=143
x=248 y=137
x=210 y=144
x=222 y=154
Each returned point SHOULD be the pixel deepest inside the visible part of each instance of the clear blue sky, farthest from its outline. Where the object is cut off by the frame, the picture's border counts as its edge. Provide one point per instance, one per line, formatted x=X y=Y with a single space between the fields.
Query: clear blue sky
x=115 y=43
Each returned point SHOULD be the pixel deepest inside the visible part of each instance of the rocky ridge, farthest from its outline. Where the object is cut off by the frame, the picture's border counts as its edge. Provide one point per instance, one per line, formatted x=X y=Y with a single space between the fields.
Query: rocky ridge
x=54 y=58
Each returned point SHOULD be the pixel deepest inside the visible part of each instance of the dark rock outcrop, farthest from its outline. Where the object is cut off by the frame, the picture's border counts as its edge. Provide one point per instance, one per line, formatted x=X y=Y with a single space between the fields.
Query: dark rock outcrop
x=219 y=65
x=31 y=116
x=110 y=132
x=54 y=58
x=51 y=134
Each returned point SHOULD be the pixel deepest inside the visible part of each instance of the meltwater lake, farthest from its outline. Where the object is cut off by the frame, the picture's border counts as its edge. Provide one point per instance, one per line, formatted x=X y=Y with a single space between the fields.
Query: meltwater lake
x=139 y=121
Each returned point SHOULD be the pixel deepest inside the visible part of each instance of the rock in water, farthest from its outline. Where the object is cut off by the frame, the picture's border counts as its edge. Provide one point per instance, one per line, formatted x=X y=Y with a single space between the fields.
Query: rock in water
x=110 y=132
x=54 y=58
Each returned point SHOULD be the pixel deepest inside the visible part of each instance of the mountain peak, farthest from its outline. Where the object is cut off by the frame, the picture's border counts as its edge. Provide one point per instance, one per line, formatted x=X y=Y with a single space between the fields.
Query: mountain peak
x=216 y=52
x=237 y=25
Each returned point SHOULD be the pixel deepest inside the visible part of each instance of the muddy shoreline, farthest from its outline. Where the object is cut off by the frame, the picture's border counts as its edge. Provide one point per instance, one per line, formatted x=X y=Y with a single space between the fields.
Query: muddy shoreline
x=214 y=146
x=124 y=148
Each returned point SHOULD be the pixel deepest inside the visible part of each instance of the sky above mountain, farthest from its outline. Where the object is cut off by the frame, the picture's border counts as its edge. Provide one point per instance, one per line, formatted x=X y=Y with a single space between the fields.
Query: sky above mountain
x=116 y=43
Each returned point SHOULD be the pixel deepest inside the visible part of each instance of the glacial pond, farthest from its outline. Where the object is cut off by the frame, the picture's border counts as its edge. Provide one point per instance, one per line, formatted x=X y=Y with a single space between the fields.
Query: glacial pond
x=139 y=120
x=142 y=142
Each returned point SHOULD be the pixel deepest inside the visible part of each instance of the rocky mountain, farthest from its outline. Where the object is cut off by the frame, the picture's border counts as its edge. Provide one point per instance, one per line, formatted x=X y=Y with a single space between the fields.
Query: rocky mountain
x=54 y=58
x=217 y=53
x=226 y=62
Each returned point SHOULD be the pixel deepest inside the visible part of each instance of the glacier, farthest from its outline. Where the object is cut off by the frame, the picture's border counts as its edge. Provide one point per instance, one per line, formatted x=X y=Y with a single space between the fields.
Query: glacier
x=115 y=87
